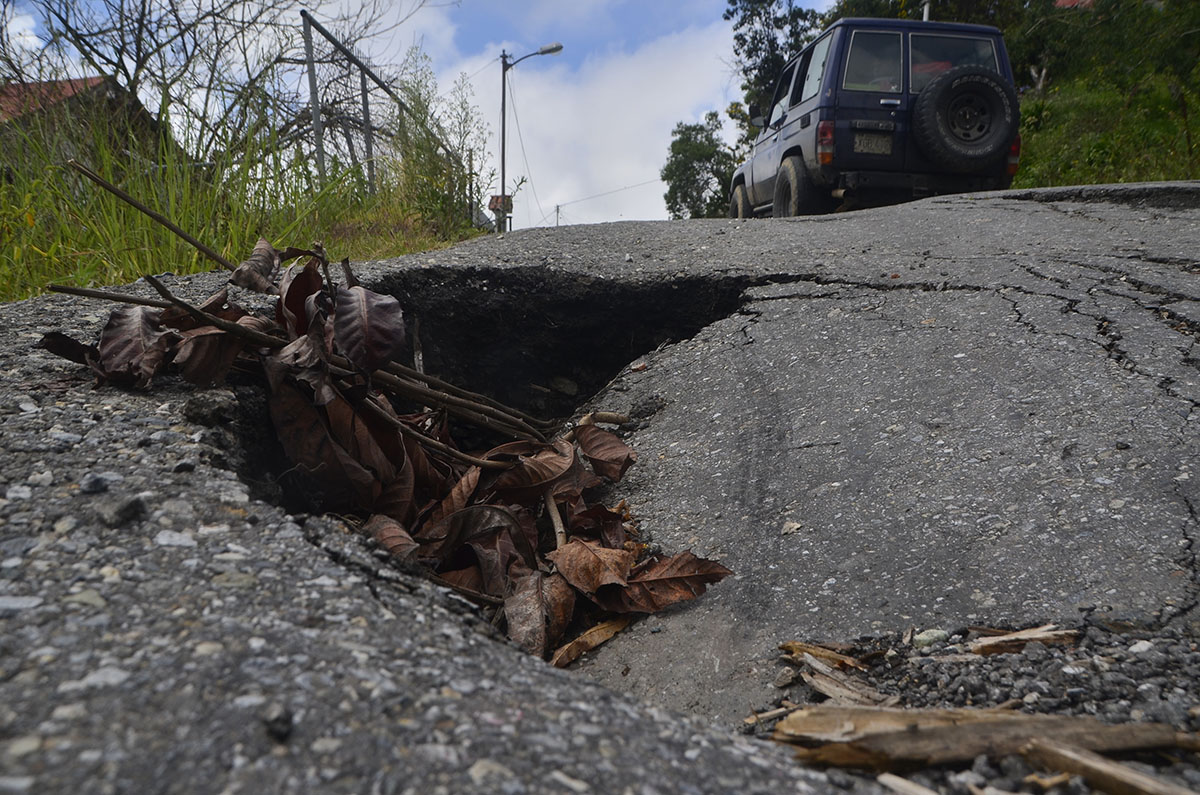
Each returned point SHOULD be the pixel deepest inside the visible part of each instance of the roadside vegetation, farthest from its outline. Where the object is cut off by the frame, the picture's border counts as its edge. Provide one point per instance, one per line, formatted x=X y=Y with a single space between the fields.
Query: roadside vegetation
x=225 y=150
x=1110 y=89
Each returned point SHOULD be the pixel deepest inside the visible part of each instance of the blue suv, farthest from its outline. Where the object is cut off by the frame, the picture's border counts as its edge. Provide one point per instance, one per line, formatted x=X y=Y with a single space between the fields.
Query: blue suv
x=879 y=111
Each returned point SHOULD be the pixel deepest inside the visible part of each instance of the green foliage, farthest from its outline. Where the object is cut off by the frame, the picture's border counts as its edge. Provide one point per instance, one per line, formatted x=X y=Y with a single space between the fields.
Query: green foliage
x=698 y=171
x=1121 y=101
x=766 y=33
x=57 y=227
x=1081 y=133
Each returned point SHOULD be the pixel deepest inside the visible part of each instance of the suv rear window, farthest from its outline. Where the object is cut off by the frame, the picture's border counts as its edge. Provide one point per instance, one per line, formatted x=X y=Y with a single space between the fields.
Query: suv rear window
x=933 y=54
x=874 y=62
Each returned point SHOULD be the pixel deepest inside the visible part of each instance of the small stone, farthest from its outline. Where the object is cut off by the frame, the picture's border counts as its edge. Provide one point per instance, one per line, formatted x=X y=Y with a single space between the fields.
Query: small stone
x=16 y=783
x=110 y=573
x=573 y=784
x=89 y=596
x=1141 y=647
x=326 y=745
x=486 y=770
x=208 y=648
x=66 y=524
x=22 y=746
x=18 y=492
x=786 y=677
x=791 y=528
x=101 y=677
x=19 y=602
x=173 y=538
x=929 y=637
x=234 y=579
x=41 y=479
x=116 y=513
x=91 y=483
x=69 y=711
x=184 y=466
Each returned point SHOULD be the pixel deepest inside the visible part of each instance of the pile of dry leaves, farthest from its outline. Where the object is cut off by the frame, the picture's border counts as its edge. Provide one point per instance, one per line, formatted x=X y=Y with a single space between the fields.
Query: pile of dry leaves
x=511 y=527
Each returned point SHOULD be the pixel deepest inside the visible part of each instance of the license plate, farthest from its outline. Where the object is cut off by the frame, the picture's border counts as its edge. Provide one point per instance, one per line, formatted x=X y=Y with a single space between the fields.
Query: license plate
x=873 y=143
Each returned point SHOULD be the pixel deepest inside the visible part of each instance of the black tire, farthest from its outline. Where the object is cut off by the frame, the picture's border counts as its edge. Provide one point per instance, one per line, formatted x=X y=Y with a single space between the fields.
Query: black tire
x=794 y=192
x=739 y=203
x=966 y=118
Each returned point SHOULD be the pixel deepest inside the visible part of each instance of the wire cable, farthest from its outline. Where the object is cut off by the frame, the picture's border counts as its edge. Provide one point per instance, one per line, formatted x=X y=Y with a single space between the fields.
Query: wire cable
x=608 y=192
x=521 y=140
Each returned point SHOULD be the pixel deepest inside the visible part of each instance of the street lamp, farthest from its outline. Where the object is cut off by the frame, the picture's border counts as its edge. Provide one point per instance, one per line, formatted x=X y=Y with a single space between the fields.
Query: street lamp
x=502 y=204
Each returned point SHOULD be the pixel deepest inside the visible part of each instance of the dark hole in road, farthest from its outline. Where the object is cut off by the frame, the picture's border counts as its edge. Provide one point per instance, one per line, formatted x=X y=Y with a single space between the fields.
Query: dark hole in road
x=545 y=341
x=538 y=340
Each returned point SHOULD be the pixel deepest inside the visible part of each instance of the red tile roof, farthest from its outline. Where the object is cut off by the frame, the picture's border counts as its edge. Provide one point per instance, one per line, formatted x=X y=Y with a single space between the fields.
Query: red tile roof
x=17 y=99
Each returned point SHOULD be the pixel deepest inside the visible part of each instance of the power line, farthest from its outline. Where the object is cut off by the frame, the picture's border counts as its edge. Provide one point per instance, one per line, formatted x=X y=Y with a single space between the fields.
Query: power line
x=607 y=192
x=521 y=140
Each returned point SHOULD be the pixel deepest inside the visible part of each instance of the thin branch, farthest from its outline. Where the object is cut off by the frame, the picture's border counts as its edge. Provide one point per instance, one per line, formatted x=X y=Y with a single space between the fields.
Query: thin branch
x=434 y=444
x=121 y=298
x=159 y=217
x=560 y=532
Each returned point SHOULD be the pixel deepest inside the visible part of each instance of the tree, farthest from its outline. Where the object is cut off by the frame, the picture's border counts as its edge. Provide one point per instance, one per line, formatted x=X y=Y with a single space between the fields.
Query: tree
x=766 y=33
x=699 y=169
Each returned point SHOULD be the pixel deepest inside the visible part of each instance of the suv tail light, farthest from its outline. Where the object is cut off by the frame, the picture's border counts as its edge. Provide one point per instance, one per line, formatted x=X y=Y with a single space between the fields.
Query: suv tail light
x=1014 y=156
x=825 y=142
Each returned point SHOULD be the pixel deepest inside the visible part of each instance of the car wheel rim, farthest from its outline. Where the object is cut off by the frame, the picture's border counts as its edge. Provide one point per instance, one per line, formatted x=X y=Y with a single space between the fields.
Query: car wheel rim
x=970 y=118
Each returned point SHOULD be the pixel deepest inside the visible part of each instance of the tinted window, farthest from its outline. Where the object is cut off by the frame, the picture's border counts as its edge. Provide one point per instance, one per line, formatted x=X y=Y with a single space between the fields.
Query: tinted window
x=874 y=62
x=779 y=104
x=810 y=84
x=932 y=55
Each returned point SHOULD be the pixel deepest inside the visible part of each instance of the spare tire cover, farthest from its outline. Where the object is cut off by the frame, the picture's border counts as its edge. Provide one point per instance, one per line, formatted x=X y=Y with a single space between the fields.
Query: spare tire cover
x=966 y=118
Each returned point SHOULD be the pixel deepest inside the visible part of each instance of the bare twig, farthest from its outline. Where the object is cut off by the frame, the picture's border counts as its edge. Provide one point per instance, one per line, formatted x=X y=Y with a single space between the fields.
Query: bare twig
x=560 y=531
x=122 y=298
x=157 y=216
x=434 y=444
x=473 y=595
x=236 y=329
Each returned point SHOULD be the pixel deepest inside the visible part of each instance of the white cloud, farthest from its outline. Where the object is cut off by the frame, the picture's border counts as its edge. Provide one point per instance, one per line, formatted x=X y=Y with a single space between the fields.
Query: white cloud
x=604 y=125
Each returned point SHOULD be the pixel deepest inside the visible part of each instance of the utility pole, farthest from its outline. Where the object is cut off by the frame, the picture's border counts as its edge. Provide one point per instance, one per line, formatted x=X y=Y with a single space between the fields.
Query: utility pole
x=502 y=205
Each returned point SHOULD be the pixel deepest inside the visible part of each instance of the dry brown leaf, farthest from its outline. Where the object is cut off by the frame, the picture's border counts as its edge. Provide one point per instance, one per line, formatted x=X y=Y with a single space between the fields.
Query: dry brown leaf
x=594 y=637
x=588 y=566
x=392 y=536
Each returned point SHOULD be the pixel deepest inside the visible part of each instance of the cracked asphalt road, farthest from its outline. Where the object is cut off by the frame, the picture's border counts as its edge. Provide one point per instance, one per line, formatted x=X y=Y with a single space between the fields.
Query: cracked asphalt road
x=965 y=410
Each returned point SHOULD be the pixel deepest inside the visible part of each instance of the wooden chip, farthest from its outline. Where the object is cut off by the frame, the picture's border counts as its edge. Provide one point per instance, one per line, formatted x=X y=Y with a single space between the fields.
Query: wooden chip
x=883 y=738
x=797 y=649
x=1103 y=774
x=1012 y=642
x=771 y=714
x=597 y=635
x=902 y=785
x=842 y=688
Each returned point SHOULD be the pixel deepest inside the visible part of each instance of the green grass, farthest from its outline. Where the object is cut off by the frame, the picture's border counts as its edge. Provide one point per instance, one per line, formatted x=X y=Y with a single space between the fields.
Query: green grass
x=1082 y=133
x=55 y=227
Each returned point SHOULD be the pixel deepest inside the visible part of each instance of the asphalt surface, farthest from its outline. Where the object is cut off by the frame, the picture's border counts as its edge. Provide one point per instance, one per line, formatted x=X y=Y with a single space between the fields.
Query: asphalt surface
x=967 y=410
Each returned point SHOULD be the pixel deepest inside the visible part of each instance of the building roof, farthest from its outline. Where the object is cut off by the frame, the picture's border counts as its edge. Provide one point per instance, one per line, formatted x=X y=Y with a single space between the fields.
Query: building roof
x=17 y=99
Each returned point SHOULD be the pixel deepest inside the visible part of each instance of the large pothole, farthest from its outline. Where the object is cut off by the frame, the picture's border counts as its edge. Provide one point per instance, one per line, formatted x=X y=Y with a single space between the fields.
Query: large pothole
x=537 y=340
x=544 y=341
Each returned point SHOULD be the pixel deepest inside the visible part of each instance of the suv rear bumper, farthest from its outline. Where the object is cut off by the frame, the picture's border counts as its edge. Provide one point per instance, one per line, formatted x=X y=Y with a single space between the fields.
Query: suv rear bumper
x=853 y=182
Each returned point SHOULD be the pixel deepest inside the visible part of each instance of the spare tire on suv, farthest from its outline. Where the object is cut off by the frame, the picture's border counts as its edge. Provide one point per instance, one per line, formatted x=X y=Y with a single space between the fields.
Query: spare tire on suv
x=966 y=118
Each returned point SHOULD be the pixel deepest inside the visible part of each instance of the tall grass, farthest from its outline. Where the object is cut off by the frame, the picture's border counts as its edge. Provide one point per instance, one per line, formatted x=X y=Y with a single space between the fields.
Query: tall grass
x=56 y=227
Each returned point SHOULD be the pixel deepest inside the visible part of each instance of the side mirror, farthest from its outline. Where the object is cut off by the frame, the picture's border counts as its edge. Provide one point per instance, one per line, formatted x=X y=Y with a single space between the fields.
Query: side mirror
x=756 y=117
